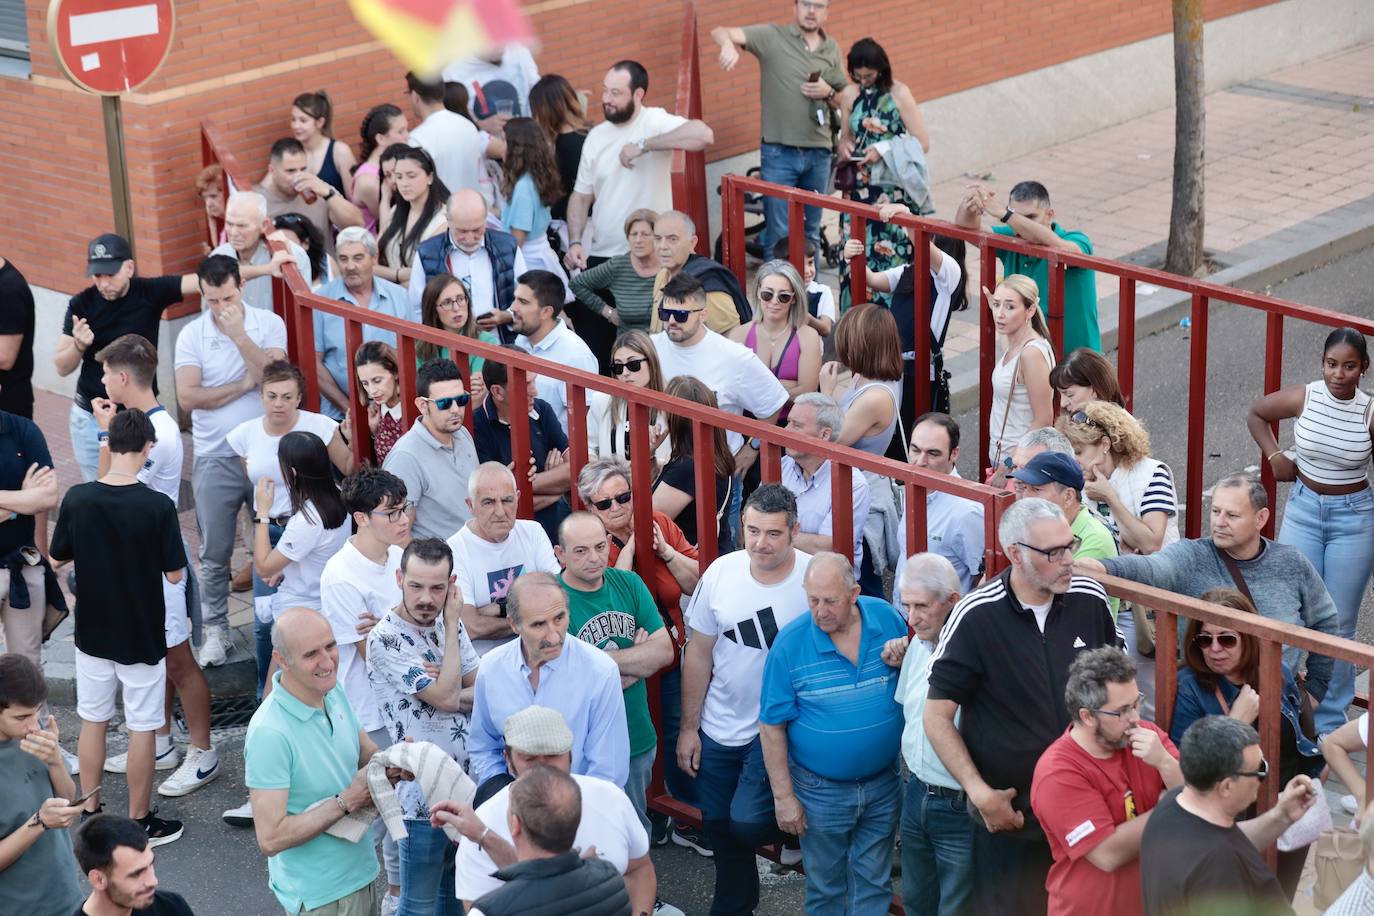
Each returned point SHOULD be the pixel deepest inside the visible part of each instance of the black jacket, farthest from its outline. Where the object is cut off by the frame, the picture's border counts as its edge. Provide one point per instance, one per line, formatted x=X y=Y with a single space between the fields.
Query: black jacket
x=716 y=278
x=565 y=885
x=1009 y=679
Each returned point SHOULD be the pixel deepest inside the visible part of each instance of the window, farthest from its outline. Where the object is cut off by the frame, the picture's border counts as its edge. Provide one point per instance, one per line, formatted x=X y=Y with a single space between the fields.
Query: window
x=14 y=30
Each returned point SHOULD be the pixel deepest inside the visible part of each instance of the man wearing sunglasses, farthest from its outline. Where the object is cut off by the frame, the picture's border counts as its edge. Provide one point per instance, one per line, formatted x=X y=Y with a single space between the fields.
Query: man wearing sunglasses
x=1194 y=856
x=1095 y=786
x=675 y=243
x=1003 y=663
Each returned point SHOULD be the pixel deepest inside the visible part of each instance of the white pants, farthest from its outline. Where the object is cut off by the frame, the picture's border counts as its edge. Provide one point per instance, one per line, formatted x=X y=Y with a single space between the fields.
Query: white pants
x=144 y=687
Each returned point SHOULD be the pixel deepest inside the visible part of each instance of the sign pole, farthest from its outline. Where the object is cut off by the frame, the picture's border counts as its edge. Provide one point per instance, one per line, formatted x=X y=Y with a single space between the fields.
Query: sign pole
x=119 y=168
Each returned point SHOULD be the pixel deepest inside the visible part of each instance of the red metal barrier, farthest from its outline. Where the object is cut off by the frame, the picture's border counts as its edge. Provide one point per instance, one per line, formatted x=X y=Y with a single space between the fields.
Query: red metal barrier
x=689 y=169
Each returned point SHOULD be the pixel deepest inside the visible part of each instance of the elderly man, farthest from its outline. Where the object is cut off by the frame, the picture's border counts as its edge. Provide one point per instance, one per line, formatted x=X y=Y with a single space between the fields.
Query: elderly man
x=613 y=610
x=356 y=252
x=487 y=259
x=290 y=187
x=1095 y=786
x=493 y=549
x=1195 y=857
x=304 y=746
x=1036 y=442
x=1003 y=663
x=954 y=525
x=1277 y=578
x=246 y=228
x=831 y=730
x=536 y=316
x=675 y=240
x=808 y=477
x=436 y=456
x=543 y=667
x=744 y=599
x=538 y=736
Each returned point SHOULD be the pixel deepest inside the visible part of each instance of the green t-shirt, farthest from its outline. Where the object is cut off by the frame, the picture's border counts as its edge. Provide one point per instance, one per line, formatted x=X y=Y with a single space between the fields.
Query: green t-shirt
x=1097 y=544
x=608 y=618
x=1080 y=289
x=790 y=118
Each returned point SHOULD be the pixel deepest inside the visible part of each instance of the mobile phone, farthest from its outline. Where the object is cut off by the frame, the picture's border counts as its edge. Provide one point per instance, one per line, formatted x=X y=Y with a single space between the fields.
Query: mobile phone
x=815 y=75
x=83 y=799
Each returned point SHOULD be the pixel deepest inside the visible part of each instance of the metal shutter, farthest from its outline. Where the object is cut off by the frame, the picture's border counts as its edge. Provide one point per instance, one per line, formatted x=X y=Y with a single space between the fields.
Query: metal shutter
x=14 y=30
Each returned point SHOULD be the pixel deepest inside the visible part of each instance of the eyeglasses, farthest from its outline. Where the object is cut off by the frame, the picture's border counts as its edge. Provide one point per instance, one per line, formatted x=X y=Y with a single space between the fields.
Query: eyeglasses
x=450 y=304
x=785 y=297
x=1259 y=774
x=1123 y=711
x=1225 y=640
x=460 y=400
x=677 y=315
x=604 y=504
x=1054 y=554
x=392 y=515
x=1082 y=419
x=633 y=365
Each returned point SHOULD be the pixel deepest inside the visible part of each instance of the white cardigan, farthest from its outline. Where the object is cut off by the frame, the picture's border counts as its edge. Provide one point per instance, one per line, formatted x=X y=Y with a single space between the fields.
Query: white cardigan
x=605 y=437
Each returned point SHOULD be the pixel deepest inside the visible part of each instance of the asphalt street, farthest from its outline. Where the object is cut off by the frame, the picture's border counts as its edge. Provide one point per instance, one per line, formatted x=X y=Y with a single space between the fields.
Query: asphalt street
x=220 y=870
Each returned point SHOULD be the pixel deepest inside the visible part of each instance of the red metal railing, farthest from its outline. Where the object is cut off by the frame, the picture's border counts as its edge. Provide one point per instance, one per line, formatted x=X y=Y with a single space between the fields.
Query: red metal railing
x=689 y=169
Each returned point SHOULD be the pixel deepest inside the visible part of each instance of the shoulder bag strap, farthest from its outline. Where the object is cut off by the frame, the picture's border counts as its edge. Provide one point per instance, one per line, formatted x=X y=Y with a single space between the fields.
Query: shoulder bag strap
x=1006 y=414
x=1236 y=575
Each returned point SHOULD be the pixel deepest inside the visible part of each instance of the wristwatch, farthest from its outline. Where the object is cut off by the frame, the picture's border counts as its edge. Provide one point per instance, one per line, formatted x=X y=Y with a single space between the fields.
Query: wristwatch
x=1008 y=215
x=330 y=195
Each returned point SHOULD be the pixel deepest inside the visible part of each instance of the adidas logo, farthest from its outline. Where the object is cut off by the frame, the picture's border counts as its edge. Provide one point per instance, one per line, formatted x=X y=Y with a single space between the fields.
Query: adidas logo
x=1078 y=643
x=757 y=632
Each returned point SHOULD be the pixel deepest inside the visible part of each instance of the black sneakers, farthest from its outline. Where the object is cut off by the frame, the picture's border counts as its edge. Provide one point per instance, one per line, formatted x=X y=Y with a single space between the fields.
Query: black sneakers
x=160 y=832
x=692 y=839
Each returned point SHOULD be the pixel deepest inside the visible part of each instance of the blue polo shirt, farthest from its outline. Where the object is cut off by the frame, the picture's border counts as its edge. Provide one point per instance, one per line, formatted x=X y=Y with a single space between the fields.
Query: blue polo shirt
x=313 y=754
x=843 y=722
x=330 y=341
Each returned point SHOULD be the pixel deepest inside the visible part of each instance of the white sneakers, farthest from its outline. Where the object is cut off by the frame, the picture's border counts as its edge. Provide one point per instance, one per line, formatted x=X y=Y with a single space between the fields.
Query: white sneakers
x=165 y=760
x=215 y=650
x=242 y=816
x=199 y=767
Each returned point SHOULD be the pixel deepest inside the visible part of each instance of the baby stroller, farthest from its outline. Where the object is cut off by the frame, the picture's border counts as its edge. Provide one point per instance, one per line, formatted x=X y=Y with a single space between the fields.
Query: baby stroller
x=830 y=252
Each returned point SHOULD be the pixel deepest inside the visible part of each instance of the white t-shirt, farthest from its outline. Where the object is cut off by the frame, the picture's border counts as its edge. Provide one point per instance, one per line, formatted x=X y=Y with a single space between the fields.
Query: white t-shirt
x=620 y=191
x=947 y=280
x=251 y=442
x=738 y=377
x=745 y=616
x=608 y=822
x=562 y=346
x=485 y=570
x=162 y=469
x=396 y=654
x=452 y=142
x=201 y=343
x=350 y=584
x=308 y=545
x=509 y=79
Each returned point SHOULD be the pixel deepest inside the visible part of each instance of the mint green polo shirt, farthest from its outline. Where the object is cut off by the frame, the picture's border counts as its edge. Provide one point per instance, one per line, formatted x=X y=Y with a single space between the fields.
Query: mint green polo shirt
x=1080 y=289
x=1096 y=543
x=313 y=754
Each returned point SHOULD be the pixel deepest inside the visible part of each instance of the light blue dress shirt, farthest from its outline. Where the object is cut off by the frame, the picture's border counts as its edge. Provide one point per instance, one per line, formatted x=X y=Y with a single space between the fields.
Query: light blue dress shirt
x=330 y=341
x=920 y=757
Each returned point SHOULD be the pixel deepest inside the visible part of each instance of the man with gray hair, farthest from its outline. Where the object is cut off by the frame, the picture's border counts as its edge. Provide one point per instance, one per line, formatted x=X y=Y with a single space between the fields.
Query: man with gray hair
x=1002 y=663
x=1095 y=786
x=1195 y=857
x=675 y=242
x=246 y=230
x=1038 y=441
x=357 y=285
x=1277 y=578
x=808 y=477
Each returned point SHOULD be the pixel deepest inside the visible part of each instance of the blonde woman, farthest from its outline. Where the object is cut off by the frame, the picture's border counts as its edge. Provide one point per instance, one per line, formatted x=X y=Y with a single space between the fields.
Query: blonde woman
x=781 y=335
x=1022 y=398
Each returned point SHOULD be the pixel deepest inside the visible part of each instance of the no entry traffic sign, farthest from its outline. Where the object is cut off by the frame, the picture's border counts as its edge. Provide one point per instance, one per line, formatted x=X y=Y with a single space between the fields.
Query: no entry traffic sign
x=110 y=46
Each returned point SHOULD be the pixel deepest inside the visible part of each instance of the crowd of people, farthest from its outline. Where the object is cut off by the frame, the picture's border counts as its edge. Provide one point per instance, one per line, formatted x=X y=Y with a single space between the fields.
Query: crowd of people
x=456 y=700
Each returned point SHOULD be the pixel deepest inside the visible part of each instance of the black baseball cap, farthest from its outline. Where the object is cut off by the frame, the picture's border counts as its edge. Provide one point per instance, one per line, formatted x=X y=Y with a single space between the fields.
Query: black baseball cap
x=106 y=254
x=1051 y=467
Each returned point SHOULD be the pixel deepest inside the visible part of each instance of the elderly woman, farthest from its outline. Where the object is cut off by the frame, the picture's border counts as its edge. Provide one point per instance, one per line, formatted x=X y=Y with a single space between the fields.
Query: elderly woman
x=628 y=278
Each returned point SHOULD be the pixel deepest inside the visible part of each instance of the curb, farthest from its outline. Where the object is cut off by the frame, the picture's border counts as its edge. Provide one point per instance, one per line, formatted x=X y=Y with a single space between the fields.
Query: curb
x=1255 y=266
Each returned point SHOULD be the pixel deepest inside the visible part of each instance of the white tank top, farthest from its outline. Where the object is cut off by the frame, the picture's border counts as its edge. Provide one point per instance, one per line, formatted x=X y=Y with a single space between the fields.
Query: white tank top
x=1019 y=416
x=1331 y=437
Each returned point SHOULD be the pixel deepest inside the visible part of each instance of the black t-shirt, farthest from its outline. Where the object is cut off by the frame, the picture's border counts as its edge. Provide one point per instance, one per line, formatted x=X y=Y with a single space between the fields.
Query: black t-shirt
x=1192 y=867
x=492 y=440
x=681 y=474
x=567 y=152
x=123 y=538
x=138 y=312
x=165 y=903
x=21 y=444
x=16 y=317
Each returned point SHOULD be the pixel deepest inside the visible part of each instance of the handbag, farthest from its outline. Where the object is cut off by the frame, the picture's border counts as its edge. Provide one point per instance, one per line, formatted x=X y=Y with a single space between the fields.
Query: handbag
x=846 y=176
x=1338 y=861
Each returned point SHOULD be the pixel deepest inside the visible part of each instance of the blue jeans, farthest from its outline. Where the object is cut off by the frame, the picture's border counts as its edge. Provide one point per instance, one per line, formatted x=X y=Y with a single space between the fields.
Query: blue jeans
x=1334 y=532
x=737 y=815
x=82 y=427
x=427 y=878
x=637 y=788
x=675 y=779
x=793 y=167
x=847 y=846
x=937 y=852
x=262 y=632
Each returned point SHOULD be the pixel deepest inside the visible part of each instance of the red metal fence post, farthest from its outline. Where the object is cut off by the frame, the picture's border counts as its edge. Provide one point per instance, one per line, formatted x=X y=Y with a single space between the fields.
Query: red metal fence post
x=1197 y=415
x=1273 y=380
x=1125 y=341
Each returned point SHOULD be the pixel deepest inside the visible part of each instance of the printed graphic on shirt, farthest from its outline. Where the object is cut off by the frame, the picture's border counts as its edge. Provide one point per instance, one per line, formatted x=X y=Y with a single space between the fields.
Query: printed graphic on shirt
x=499 y=581
x=757 y=632
x=603 y=629
x=1078 y=833
x=1130 y=805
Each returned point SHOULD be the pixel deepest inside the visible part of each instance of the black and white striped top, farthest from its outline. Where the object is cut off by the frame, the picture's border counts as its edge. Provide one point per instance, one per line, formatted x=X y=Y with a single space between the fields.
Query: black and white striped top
x=1332 y=438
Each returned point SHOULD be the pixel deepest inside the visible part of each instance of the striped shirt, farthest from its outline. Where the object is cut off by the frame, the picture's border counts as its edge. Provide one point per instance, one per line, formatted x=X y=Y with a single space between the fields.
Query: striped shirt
x=1331 y=437
x=1144 y=487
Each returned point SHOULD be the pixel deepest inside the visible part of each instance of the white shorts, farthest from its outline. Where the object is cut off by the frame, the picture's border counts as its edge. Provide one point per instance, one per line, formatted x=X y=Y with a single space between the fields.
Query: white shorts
x=177 y=625
x=144 y=688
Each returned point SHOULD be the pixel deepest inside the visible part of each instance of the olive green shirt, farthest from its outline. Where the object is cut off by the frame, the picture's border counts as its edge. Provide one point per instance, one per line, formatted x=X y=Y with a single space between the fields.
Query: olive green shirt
x=785 y=62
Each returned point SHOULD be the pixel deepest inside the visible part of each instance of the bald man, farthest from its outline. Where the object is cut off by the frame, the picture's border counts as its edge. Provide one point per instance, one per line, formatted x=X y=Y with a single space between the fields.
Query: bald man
x=486 y=259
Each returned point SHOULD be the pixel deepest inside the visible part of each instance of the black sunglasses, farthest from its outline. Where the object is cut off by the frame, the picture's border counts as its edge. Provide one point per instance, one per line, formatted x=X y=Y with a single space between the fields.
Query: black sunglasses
x=1259 y=774
x=678 y=315
x=634 y=365
x=460 y=400
x=1225 y=640
x=1082 y=419
x=604 y=504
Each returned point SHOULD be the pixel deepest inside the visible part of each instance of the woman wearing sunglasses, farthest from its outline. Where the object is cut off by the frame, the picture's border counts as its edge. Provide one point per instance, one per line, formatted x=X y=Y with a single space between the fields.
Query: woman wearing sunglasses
x=781 y=335
x=446 y=304
x=1220 y=677
x=635 y=362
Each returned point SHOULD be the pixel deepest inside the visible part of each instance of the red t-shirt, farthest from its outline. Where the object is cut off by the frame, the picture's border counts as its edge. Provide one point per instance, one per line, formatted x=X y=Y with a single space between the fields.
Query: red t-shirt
x=1079 y=801
x=667 y=593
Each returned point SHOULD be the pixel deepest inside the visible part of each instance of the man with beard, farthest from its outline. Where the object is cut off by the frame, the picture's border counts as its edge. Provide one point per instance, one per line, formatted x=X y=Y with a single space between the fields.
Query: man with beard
x=114 y=854
x=1002 y=663
x=422 y=668
x=625 y=166
x=1095 y=786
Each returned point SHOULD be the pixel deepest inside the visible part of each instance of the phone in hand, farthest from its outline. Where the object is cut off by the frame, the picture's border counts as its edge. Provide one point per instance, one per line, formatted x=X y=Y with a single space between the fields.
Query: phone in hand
x=815 y=75
x=83 y=799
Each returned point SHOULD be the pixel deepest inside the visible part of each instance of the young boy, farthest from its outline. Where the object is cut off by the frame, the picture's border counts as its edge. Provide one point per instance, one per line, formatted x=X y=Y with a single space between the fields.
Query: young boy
x=820 y=298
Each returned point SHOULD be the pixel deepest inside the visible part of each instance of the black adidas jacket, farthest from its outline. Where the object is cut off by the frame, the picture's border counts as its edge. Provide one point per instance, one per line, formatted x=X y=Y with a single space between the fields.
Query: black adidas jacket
x=1009 y=680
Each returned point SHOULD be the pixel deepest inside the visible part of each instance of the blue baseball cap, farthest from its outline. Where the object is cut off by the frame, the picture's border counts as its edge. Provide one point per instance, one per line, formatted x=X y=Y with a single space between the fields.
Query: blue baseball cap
x=1051 y=467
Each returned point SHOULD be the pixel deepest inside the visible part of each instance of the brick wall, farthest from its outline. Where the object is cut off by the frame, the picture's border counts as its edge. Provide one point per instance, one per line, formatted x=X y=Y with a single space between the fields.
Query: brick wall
x=242 y=61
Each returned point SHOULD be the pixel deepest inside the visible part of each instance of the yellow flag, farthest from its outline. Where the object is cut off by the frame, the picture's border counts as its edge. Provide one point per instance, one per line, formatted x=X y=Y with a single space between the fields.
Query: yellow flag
x=428 y=34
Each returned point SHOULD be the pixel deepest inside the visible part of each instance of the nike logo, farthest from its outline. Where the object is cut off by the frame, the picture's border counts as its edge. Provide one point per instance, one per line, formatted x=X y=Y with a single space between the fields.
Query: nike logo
x=1078 y=643
x=205 y=774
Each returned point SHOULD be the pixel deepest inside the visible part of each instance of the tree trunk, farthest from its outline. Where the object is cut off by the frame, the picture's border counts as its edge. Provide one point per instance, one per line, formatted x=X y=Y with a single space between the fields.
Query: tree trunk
x=1186 y=221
